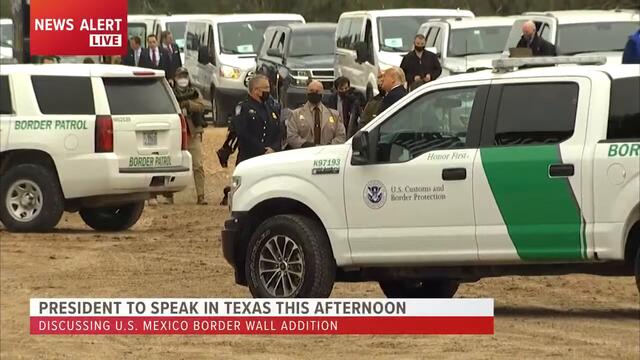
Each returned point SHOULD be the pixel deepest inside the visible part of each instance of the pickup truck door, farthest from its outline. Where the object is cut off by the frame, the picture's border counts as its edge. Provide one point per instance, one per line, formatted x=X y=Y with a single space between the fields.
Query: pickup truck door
x=528 y=175
x=6 y=111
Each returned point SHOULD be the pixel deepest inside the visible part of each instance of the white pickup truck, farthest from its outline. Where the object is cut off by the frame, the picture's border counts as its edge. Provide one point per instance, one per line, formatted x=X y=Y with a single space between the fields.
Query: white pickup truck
x=500 y=172
x=98 y=139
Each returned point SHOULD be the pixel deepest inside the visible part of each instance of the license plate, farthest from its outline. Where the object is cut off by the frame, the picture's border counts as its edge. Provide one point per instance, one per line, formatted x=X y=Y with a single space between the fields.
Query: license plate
x=150 y=138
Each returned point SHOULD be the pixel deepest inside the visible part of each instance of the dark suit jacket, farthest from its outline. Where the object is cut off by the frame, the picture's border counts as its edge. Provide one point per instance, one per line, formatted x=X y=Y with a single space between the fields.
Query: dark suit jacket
x=129 y=58
x=391 y=98
x=539 y=46
x=175 y=60
x=163 y=62
x=354 y=104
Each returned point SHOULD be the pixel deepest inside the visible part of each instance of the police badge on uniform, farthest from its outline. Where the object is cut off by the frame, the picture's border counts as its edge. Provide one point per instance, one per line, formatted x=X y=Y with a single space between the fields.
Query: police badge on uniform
x=274 y=116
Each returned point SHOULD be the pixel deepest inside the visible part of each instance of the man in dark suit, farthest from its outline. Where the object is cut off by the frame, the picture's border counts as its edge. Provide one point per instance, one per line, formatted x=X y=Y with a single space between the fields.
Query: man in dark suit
x=135 y=53
x=347 y=102
x=538 y=45
x=170 y=47
x=393 y=84
x=154 y=57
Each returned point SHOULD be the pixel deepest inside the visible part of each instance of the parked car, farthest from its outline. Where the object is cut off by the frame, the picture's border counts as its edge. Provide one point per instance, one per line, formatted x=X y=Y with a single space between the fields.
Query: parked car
x=492 y=173
x=221 y=51
x=292 y=54
x=465 y=45
x=6 y=39
x=370 y=41
x=580 y=32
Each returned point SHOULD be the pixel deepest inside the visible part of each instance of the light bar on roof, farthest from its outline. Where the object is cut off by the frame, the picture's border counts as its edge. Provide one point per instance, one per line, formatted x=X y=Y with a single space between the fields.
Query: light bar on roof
x=509 y=64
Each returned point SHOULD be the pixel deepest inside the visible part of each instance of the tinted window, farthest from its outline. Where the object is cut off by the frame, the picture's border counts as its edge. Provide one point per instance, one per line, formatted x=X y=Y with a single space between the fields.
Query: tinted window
x=64 y=95
x=577 y=38
x=5 y=96
x=178 y=30
x=433 y=34
x=245 y=37
x=536 y=113
x=311 y=43
x=138 y=29
x=6 y=35
x=138 y=96
x=624 y=109
x=483 y=40
x=396 y=33
x=342 y=34
x=435 y=121
x=354 y=32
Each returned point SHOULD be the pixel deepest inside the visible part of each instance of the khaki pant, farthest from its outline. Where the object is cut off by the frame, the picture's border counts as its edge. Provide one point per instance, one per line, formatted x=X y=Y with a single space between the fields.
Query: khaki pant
x=195 y=148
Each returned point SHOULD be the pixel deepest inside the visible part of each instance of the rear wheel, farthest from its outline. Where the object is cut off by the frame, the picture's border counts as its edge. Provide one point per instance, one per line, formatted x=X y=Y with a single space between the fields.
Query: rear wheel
x=117 y=218
x=289 y=256
x=31 y=199
x=431 y=288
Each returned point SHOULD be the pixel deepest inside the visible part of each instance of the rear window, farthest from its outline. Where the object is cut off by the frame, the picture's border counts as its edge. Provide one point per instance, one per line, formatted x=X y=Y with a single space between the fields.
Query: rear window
x=64 y=95
x=129 y=96
x=624 y=109
x=5 y=96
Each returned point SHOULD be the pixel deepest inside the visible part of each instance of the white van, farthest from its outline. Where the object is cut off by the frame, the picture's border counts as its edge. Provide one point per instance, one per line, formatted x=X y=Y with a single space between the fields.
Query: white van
x=220 y=52
x=142 y=26
x=370 y=41
x=86 y=138
x=6 y=39
x=177 y=24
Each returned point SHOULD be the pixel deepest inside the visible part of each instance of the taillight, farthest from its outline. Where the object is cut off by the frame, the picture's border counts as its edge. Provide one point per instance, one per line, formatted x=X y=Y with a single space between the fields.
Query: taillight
x=185 y=132
x=104 y=134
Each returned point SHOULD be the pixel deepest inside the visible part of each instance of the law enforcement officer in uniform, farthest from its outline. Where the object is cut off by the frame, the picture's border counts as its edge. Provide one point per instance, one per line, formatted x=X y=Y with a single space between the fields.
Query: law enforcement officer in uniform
x=257 y=123
x=313 y=123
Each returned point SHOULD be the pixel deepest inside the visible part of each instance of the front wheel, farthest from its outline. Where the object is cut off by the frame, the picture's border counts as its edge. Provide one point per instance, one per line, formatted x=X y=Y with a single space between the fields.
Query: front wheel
x=116 y=218
x=431 y=288
x=638 y=269
x=289 y=257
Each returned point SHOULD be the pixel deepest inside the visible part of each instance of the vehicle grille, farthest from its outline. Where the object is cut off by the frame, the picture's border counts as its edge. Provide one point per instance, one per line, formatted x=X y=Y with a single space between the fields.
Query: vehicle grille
x=321 y=73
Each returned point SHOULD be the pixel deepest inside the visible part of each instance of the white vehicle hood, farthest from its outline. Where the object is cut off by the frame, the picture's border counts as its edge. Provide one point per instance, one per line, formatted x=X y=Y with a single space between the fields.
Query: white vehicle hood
x=463 y=63
x=290 y=160
x=6 y=52
x=244 y=62
x=390 y=58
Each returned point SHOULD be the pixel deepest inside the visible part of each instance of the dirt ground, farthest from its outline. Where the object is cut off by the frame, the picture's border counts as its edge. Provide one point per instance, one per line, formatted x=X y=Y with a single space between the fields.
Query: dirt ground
x=174 y=251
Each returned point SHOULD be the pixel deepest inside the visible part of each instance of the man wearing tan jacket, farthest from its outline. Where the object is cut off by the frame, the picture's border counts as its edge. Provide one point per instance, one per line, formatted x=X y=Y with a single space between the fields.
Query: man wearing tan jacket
x=314 y=124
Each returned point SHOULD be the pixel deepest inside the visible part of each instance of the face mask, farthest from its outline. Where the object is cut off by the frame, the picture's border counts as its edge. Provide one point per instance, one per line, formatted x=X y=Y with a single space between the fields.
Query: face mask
x=314 y=98
x=265 y=96
x=381 y=90
x=419 y=48
x=182 y=83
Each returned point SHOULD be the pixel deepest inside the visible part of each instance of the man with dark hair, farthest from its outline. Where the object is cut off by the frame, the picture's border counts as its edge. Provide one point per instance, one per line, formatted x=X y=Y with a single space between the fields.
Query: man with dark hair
x=348 y=102
x=420 y=64
x=154 y=57
x=135 y=53
x=172 y=49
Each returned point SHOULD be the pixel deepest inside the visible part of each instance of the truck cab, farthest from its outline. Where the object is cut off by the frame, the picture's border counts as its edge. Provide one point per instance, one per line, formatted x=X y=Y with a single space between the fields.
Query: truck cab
x=499 y=172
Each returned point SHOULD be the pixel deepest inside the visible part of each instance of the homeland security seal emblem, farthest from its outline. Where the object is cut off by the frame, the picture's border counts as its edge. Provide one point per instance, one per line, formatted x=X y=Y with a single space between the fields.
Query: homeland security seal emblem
x=375 y=194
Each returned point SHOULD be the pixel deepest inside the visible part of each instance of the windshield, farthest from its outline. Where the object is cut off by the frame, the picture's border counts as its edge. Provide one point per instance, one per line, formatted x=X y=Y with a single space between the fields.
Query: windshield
x=318 y=43
x=396 y=33
x=483 y=40
x=6 y=35
x=245 y=37
x=178 y=29
x=590 y=37
x=138 y=29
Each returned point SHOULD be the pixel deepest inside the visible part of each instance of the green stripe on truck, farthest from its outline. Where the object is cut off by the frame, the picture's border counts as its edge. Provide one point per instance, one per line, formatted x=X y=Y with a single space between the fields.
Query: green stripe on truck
x=541 y=213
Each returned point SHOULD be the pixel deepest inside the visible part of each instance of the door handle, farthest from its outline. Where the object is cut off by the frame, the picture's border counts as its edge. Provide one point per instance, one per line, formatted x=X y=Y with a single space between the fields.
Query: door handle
x=454 y=174
x=561 y=170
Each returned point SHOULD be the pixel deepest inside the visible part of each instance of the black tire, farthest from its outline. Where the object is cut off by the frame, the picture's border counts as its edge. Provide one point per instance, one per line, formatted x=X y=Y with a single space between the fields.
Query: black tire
x=318 y=264
x=115 y=218
x=431 y=288
x=638 y=269
x=219 y=119
x=52 y=199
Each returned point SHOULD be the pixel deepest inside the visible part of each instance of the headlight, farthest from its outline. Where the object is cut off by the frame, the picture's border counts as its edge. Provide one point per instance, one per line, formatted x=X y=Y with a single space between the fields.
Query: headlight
x=300 y=77
x=235 y=184
x=229 y=72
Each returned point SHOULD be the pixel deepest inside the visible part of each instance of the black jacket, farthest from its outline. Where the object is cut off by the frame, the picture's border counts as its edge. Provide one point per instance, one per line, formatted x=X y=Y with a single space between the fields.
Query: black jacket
x=354 y=102
x=539 y=46
x=257 y=126
x=174 y=60
x=413 y=65
x=163 y=62
x=391 y=98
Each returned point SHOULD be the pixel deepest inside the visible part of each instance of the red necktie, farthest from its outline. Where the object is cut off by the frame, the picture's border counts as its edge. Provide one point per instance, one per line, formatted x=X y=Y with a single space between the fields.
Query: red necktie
x=153 y=58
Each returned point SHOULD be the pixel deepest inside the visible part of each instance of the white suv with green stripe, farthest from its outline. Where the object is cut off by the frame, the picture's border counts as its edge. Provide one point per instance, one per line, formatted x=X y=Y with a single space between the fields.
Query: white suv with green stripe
x=527 y=172
x=98 y=139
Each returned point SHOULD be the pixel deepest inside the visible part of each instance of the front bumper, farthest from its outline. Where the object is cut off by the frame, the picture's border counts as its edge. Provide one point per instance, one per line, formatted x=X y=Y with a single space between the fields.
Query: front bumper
x=234 y=243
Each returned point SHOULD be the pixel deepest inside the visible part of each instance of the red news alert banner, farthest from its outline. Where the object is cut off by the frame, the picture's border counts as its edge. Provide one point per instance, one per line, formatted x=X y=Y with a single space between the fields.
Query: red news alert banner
x=260 y=316
x=78 y=27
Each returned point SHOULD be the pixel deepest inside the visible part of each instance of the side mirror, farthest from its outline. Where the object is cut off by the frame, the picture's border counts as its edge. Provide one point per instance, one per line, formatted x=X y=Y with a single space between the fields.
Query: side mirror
x=361 y=52
x=274 y=53
x=360 y=147
x=203 y=55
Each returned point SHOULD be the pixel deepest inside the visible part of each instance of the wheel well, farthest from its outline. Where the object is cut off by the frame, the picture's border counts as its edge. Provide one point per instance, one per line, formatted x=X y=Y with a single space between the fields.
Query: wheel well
x=12 y=158
x=258 y=214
